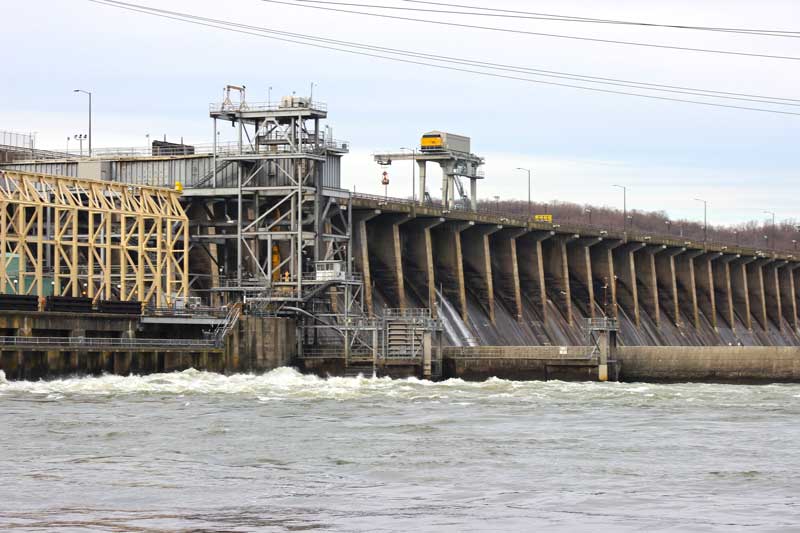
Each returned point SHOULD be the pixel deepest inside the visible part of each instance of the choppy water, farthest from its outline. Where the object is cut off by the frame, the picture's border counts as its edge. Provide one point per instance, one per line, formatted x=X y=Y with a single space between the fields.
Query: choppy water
x=285 y=452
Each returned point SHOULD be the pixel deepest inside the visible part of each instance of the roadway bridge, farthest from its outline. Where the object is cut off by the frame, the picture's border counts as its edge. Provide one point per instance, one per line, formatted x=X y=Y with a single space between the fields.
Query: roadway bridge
x=512 y=281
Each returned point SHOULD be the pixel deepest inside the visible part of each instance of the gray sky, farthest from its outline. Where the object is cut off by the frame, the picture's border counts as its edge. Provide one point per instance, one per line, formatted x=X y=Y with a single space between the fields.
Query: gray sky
x=156 y=76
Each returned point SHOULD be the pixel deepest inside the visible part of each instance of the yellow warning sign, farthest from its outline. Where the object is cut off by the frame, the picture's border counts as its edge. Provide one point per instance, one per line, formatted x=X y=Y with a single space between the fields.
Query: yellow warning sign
x=543 y=218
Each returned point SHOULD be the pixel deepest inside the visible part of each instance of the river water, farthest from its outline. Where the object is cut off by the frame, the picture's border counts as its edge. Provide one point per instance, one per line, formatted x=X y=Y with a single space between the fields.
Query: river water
x=195 y=451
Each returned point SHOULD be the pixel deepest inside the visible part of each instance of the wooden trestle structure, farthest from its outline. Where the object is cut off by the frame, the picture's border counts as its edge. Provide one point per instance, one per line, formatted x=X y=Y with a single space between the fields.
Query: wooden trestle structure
x=104 y=240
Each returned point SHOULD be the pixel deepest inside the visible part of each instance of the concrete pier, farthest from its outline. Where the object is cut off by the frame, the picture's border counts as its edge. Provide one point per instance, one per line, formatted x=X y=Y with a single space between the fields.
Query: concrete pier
x=92 y=346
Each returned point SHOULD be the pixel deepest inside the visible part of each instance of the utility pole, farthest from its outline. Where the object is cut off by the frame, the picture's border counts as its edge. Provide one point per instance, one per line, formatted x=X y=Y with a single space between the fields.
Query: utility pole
x=773 y=226
x=705 y=219
x=90 y=116
x=624 y=207
x=530 y=213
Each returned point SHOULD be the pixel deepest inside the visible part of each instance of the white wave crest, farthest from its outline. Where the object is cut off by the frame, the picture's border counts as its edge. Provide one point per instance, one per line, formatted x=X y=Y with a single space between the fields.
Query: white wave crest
x=288 y=383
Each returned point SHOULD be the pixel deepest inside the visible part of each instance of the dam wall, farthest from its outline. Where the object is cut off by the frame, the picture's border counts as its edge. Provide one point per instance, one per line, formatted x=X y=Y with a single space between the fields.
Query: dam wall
x=45 y=345
x=515 y=282
x=719 y=364
x=702 y=364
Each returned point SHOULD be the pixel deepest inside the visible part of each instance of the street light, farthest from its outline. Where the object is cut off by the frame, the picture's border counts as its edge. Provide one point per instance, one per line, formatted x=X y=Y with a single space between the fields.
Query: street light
x=588 y=212
x=413 y=175
x=530 y=213
x=624 y=206
x=773 y=226
x=705 y=218
x=669 y=227
x=90 y=116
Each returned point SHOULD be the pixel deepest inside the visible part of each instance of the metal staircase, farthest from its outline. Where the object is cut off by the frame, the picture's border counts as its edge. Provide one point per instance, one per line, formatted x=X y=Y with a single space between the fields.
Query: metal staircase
x=221 y=331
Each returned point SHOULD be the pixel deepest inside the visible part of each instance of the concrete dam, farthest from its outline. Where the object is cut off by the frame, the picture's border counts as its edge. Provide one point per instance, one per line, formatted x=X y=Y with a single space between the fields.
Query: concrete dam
x=500 y=281
x=248 y=255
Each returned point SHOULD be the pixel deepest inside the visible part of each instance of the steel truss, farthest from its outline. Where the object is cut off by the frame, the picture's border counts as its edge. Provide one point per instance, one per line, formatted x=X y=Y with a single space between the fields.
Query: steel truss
x=286 y=223
x=103 y=240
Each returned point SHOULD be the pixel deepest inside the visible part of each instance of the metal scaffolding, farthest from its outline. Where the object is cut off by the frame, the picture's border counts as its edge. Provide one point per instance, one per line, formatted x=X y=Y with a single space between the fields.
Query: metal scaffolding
x=66 y=236
x=292 y=237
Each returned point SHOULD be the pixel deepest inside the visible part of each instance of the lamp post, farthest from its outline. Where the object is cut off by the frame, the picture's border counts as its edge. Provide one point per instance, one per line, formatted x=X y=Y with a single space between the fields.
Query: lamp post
x=530 y=213
x=67 y=146
x=413 y=174
x=705 y=218
x=588 y=212
x=90 y=116
x=669 y=227
x=624 y=207
x=773 y=226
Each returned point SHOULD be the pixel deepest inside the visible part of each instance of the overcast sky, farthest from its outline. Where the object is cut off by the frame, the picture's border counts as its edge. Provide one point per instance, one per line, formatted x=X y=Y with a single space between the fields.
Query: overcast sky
x=155 y=76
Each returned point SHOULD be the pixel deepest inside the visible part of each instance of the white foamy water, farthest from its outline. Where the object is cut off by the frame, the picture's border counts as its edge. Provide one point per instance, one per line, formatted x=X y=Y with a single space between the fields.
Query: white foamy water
x=283 y=451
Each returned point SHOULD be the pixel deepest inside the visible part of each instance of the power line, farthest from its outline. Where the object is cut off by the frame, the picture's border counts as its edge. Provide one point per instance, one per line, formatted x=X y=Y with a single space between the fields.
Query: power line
x=510 y=13
x=773 y=100
x=538 y=34
x=264 y=33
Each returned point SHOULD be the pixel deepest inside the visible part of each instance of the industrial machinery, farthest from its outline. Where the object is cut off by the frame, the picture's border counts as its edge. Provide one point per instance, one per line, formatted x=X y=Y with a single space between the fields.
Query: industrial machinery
x=452 y=153
x=440 y=141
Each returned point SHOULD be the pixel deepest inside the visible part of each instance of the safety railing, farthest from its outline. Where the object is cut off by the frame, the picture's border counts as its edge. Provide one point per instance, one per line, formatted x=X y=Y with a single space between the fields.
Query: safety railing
x=602 y=324
x=223 y=149
x=422 y=312
x=297 y=104
x=195 y=311
x=103 y=343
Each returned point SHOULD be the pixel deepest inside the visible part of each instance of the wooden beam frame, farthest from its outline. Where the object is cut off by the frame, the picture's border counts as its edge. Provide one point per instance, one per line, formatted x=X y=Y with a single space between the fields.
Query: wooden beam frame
x=108 y=240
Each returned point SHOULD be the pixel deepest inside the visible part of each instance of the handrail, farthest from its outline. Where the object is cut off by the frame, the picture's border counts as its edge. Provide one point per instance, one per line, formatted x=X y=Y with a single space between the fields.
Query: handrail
x=100 y=342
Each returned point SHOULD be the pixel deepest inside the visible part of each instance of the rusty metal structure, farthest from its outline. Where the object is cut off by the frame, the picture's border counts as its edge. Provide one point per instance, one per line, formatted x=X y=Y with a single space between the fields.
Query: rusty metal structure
x=66 y=236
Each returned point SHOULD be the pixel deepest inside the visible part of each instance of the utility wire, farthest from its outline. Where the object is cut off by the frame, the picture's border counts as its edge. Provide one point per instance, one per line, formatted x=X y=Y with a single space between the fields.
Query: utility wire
x=510 y=13
x=266 y=33
x=303 y=3
x=773 y=100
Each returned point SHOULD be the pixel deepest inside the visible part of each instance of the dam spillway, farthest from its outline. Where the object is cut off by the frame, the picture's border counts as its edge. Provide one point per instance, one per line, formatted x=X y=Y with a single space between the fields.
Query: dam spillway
x=516 y=282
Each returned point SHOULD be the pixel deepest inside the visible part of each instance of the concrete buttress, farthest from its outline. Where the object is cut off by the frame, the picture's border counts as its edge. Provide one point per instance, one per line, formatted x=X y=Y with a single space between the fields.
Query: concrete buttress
x=530 y=263
x=604 y=276
x=505 y=268
x=741 y=291
x=417 y=254
x=626 y=284
x=449 y=263
x=647 y=277
x=477 y=255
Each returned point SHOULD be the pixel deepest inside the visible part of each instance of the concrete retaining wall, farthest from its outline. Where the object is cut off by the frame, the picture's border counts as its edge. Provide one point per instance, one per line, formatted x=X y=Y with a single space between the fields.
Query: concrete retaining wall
x=265 y=344
x=257 y=344
x=539 y=363
x=725 y=364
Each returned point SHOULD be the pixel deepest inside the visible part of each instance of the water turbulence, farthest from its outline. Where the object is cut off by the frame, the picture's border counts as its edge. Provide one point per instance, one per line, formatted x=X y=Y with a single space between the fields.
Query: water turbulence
x=284 y=451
